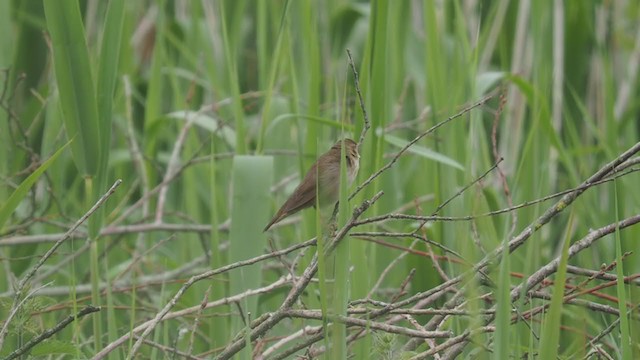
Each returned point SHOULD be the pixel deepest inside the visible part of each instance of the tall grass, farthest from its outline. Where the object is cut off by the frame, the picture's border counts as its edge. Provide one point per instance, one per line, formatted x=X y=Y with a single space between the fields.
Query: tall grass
x=211 y=112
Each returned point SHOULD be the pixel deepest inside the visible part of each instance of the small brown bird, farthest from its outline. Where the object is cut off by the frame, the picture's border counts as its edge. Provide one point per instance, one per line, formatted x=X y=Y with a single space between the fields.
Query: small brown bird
x=328 y=168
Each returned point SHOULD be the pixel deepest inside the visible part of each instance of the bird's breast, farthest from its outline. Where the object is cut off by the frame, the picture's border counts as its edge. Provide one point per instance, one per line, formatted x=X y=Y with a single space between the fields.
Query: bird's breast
x=352 y=171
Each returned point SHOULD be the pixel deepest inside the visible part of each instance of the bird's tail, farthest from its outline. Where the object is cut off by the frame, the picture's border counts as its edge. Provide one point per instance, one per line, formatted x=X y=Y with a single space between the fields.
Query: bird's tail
x=277 y=217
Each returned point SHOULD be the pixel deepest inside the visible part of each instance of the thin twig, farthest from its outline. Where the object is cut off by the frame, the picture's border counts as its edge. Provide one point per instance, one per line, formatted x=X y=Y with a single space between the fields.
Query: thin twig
x=16 y=307
x=203 y=228
x=408 y=235
x=239 y=341
x=365 y=323
x=172 y=351
x=496 y=155
x=122 y=285
x=136 y=155
x=455 y=340
x=356 y=82
x=449 y=200
x=196 y=321
x=203 y=276
x=387 y=269
x=551 y=212
x=189 y=311
x=50 y=332
x=416 y=139
x=595 y=274
x=519 y=239
x=475 y=181
x=593 y=306
x=145 y=197
x=305 y=331
x=574 y=249
x=610 y=328
x=172 y=166
x=294 y=349
x=581 y=188
x=23 y=283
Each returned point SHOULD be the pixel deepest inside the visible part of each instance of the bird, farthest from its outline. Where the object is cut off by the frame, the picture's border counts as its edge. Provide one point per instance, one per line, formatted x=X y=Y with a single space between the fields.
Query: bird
x=327 y=168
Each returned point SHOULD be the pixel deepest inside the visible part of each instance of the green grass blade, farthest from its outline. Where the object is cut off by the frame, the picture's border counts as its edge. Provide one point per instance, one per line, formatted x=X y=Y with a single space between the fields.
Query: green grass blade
x=323 y=272
x=218 y=326
x=5 y=28
x=232 y=71
x=278 y=54
x=423 y=151
x=107 y=80
x=550 y=336
x=503 y=307
x=73 y=74
x=19 y=193
x=6 y=53
x=342 y=264
x=108 y=70
x=625 y=339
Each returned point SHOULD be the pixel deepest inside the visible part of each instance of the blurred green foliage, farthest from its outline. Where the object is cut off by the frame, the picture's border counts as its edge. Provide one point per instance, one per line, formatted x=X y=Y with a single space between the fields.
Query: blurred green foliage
x=168 y=92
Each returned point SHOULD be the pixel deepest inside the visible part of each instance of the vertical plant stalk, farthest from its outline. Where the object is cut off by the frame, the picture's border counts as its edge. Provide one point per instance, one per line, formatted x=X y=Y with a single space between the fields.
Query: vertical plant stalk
x=79 y=106
x=625 y=339
x=342 y=263
x=278 y=55
x=550 y=335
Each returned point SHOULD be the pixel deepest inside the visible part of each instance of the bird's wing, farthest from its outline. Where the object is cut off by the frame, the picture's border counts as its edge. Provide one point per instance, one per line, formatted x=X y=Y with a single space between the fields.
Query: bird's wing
x=303 y=197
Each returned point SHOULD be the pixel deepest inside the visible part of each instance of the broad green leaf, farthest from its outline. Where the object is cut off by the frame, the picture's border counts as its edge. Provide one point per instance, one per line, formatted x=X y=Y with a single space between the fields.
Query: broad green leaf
x=423 y=151
x=75 y=84
x=252 y=180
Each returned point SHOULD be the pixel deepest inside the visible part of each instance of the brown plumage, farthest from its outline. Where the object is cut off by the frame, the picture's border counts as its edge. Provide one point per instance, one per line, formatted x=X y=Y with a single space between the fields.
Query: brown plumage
x=328 y=168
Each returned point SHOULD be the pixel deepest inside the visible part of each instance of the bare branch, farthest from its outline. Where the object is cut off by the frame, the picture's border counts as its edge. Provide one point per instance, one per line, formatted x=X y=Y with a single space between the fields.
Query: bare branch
x=50 y=332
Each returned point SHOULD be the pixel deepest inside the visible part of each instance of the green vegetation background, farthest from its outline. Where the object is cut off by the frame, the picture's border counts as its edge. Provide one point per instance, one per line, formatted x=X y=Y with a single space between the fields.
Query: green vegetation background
x=229 y=101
